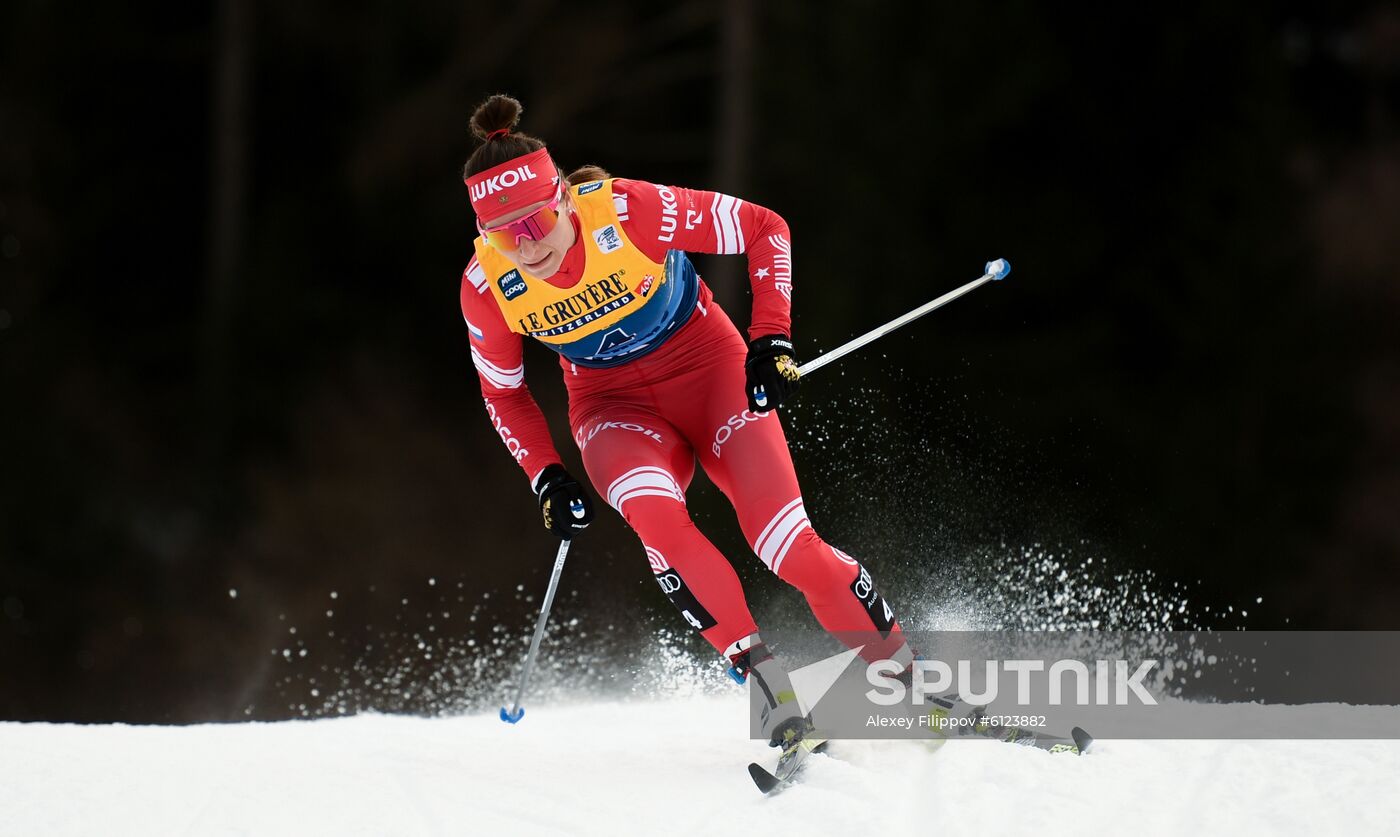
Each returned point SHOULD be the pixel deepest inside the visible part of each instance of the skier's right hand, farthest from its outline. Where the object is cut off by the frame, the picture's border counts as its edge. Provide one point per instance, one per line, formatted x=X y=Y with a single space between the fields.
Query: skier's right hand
x=770 y=373
x=566 y=508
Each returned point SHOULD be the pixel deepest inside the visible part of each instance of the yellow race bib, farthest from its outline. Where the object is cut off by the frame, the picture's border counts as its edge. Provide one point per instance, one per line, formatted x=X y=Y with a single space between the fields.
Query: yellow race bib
x=624 y=306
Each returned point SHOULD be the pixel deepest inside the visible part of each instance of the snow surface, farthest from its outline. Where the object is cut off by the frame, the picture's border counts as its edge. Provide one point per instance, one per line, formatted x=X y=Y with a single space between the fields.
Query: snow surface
x=663 y=767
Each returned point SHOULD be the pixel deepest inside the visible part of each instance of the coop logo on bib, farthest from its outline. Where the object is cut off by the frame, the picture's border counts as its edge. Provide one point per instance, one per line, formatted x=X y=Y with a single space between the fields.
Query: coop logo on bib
x=512 y=285
x=607 y=238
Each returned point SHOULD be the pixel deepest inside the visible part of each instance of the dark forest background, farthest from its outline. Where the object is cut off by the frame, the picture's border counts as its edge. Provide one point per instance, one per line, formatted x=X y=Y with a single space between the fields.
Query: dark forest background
x=236 y=386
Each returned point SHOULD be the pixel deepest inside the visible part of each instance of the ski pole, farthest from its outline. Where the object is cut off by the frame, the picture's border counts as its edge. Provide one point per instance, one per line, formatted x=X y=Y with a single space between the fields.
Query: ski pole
x=516 y=712
x=996 y=270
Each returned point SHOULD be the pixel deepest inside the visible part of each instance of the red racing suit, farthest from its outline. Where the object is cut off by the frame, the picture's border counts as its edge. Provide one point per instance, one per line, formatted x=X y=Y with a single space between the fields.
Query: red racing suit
x=655 y=375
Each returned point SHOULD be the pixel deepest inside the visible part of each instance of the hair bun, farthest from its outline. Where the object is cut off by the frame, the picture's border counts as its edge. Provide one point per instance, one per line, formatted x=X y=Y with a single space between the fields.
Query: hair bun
x=498 y=113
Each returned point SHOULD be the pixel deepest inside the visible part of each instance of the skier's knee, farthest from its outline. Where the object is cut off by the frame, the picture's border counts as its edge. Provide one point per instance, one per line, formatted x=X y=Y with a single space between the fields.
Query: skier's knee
x=641 y=483
x=646 y=492
x=786 y=532
x=810 y=564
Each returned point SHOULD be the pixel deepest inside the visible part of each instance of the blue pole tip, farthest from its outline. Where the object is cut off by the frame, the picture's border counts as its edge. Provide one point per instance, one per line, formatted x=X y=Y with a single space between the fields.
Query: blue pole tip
x=512 y=719
x=999 y=268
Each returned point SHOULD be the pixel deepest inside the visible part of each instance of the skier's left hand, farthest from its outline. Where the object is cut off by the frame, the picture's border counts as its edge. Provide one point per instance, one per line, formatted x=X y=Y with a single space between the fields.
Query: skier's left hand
x=563 y=503
x=770 y=372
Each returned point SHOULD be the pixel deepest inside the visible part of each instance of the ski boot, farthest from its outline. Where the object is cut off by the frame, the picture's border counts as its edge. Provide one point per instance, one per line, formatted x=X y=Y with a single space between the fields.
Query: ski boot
x=780 y=716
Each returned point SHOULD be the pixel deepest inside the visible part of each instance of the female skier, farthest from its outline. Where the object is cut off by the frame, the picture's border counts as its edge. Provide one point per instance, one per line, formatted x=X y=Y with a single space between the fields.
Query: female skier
x=657 y=376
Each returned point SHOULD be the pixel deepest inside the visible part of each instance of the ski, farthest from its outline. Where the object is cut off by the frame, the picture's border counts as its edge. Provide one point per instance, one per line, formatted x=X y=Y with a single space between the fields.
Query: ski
x=795 y=753
x=794 y=758
x=789 y=766
x=946 y=706
x=1078 y=743
x=1082 y=739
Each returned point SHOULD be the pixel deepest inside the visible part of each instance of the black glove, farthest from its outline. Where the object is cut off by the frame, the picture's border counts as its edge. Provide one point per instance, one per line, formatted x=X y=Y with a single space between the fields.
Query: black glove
x=566 y=508
x=770 y=372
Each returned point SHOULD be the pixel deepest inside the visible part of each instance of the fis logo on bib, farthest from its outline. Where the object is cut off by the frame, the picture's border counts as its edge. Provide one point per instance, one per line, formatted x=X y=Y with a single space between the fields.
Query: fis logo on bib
x=512 y=285
x=607 y=238
x=590 y=187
